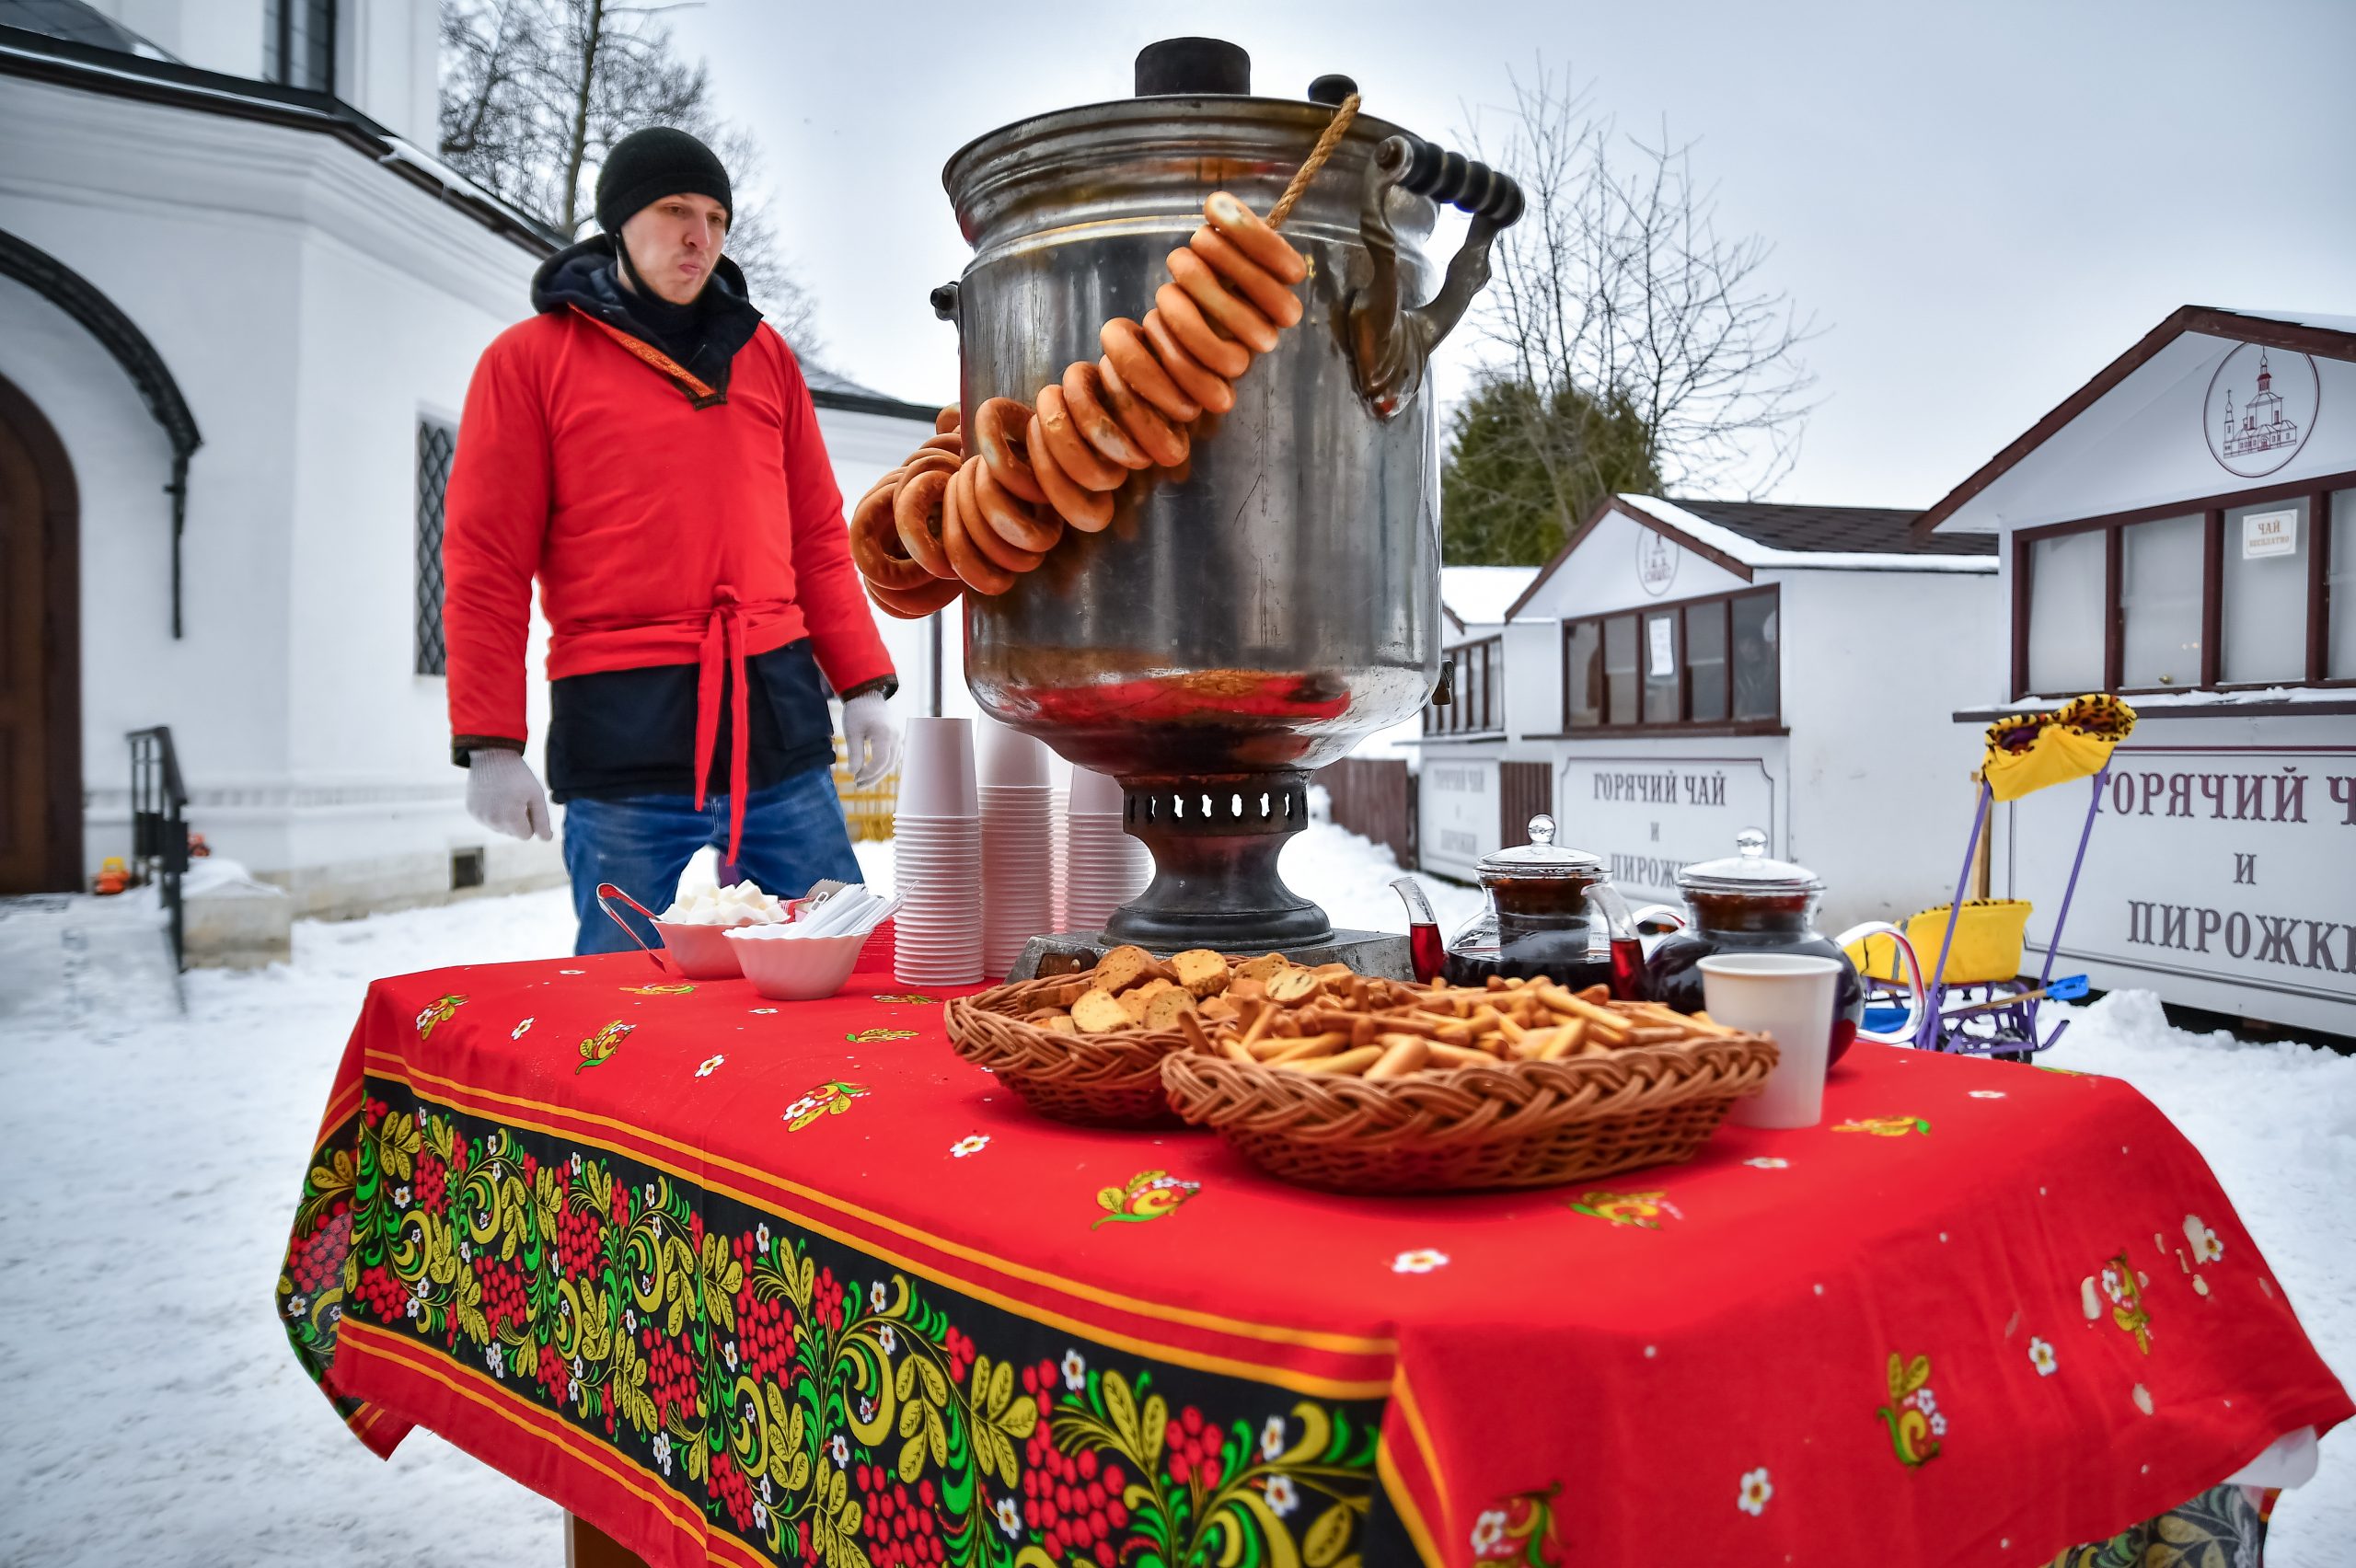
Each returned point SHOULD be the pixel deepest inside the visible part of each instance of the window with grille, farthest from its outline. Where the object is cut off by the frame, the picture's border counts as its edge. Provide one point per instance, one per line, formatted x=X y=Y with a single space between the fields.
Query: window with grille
x=298 y=43
x=436 y=442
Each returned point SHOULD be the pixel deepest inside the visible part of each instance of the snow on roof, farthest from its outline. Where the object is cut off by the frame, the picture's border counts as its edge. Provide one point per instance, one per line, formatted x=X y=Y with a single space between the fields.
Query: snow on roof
x=1751 y=553
x=1480 y=595
x=2297 y=319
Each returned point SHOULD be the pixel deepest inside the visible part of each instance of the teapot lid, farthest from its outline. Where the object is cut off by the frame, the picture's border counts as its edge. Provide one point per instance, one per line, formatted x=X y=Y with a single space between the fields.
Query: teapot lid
x=1749 y=869
x=1541 y=856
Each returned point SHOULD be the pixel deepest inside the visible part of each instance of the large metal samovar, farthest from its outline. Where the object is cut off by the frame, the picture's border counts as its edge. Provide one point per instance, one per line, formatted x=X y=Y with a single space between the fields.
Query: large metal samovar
x=1248 y=618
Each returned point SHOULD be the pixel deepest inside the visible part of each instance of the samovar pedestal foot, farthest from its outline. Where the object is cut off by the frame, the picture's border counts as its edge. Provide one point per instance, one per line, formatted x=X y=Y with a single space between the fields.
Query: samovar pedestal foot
x=1216 y=838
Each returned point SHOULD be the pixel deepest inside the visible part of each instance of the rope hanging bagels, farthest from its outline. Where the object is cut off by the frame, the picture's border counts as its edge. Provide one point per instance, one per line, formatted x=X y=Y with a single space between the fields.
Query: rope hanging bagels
x=950 y=519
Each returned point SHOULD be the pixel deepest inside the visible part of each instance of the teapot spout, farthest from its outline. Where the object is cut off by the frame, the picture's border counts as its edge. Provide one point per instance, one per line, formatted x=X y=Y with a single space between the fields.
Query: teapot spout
x=1423 y=929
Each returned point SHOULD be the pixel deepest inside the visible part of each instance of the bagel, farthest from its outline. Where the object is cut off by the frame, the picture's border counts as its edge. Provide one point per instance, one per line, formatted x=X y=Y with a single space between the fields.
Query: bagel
x=915 y=604
x=1162 y=440
x=917 y=513
x=1221 y=356
x=1004 y=514
x=1132 y=357
x=1212 y=391
x=1226 y=309
x=1085 y=510
x=1250 y=233
x=1084 y=398
x=875 y=546
x=998 y=425
x=1076 y=457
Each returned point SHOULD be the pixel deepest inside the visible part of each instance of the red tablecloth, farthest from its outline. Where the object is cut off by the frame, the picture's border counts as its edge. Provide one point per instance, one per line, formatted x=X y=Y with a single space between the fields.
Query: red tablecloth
x=744 y=1281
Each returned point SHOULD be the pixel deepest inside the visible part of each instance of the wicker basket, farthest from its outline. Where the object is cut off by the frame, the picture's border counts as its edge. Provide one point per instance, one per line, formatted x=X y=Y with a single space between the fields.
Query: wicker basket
x=1517 y=1124
x=1103 y=1080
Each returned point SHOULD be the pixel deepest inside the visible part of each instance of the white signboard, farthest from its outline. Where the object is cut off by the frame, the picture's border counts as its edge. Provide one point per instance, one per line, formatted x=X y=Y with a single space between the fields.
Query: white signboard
x=1457 y=821
x=1649 y=816
x=2219 y=877
x=2269 y=534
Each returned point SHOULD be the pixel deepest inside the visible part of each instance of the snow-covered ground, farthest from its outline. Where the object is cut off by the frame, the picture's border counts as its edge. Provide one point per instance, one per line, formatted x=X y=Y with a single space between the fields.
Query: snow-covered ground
x=149 y=1164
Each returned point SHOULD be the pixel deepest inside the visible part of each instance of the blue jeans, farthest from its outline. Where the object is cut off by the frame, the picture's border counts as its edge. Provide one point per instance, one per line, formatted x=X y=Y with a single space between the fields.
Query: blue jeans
x=794 y=834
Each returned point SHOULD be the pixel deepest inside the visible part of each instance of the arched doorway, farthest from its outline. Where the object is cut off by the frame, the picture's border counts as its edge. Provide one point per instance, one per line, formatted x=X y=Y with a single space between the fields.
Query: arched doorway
x=40 y=655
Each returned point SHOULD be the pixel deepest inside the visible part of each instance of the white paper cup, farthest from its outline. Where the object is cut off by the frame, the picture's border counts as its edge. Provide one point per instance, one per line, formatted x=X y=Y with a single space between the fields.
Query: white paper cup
x=1095 y=794
x=1010 y=756
x=1788 y=997
x=937 y=768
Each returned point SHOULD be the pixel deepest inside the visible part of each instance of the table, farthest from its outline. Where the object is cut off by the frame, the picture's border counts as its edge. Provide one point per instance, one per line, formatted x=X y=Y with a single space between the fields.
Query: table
x=744 y=1283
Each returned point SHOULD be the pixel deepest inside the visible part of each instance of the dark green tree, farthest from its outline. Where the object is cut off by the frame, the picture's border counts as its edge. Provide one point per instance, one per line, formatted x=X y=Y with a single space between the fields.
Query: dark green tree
x=1523 y=469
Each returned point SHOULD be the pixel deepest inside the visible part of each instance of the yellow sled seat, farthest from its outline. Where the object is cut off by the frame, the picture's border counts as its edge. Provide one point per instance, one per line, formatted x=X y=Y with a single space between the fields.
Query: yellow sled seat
x=1987 y=943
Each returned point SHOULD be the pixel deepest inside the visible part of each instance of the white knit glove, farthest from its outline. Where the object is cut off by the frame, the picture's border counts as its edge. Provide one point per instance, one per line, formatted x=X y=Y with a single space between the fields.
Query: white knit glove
x=502 y=795
x=870 y=741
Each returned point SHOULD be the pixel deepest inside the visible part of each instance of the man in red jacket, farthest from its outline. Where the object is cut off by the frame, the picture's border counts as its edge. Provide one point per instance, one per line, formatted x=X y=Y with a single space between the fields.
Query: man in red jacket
x=647 y=448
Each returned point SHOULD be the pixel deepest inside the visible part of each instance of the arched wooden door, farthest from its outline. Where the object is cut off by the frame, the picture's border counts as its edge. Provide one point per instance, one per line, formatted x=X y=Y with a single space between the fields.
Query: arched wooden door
x=40 y=655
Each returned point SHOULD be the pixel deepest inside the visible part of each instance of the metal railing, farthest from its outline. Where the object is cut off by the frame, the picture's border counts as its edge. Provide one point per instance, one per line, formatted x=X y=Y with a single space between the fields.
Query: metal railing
x=159 y=832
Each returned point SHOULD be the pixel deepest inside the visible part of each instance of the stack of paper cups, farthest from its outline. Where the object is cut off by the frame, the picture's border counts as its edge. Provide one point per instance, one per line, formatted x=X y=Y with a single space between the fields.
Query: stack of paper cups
x=1061 y=840
x=1103 y=866
x=937 y=857
x=1018 y=853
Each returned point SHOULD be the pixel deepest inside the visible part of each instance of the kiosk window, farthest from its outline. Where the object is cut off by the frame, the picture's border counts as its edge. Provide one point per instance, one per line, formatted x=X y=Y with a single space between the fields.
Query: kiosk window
x=2065 y=613
x=1620 y=668
x=1662 y=688
x=1477 y=704
x=1583 y=675
x=1756 y=657
x=1705 y=660
x=2339 y=590
x=2251 y=588
x=1713 y=661
x=2159 y=600
x=2264 y=614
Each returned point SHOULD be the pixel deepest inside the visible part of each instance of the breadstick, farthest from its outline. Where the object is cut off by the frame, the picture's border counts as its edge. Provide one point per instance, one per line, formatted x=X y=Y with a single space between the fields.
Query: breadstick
x=1354 y=1061
x=1402 y=1054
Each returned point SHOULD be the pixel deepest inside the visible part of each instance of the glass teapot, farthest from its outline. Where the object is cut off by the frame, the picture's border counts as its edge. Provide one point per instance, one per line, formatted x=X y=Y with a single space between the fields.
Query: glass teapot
x=1747 y=902
x=1552 y=911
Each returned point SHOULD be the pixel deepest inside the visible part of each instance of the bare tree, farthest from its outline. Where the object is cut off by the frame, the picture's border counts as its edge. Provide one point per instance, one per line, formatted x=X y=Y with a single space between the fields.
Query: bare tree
x=536 y=92
x=1617 y=292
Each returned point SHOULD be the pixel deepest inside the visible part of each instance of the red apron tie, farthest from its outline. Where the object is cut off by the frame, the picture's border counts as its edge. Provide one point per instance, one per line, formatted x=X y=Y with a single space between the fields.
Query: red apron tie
x=723 y=636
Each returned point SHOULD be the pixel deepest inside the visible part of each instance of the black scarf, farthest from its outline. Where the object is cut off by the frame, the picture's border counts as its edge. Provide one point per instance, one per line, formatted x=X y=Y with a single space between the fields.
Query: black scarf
x=703 y=336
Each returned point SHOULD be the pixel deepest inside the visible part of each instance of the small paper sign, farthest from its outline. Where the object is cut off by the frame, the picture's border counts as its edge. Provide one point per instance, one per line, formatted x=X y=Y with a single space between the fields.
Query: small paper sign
x=1662 y=633
x=2268 y=534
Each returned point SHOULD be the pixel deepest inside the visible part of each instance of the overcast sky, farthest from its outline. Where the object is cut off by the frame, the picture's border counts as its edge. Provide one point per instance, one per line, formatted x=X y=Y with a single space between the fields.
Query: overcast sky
x=1984 y=203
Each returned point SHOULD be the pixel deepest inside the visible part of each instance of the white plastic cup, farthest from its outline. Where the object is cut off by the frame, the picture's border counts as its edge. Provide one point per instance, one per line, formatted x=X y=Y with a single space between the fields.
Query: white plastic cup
x=1095 y=794
x=1788 y=997
x=1010 y=756
x=937 y=770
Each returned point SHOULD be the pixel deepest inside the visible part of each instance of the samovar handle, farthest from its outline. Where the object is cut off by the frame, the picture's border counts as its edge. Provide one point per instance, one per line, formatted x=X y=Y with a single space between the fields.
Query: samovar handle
x=1390 y=344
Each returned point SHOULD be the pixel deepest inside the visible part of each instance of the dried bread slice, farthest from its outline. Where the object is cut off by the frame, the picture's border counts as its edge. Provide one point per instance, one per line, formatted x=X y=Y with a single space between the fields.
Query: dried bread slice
x=1134 y=1000
x=1262 y=968
x=1100 y=1012
x=1125 y=966
x=1166 y=1007
x=1201 y=971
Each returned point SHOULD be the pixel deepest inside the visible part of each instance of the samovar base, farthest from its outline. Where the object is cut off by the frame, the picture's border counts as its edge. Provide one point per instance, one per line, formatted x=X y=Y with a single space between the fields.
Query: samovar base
x=1216 y=838
x=1369 y=953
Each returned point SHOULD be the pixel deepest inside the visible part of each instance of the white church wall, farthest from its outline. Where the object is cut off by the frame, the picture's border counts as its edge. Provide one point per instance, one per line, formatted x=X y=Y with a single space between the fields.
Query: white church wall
x=308 y=307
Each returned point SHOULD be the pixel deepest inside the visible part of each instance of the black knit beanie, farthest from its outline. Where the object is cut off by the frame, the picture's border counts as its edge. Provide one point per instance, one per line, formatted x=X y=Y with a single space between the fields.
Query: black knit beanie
x=646 y=166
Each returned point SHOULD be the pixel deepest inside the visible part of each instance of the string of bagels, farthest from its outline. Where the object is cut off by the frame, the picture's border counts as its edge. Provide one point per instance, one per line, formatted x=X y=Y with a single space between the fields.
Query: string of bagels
x=949 y=520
